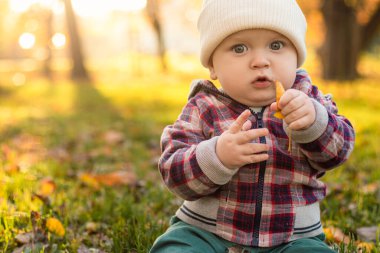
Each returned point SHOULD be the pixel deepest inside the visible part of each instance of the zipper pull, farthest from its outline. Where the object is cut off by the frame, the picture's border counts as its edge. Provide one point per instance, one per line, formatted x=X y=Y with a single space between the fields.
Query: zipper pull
x=259 y=116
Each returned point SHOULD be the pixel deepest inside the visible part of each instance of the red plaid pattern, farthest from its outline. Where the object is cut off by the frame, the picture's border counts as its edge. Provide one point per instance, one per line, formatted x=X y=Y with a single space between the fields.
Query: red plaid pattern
x=257 y=201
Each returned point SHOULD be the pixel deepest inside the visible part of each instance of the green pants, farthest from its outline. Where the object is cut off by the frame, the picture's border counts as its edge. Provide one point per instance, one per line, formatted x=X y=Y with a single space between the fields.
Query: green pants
x=184 y=238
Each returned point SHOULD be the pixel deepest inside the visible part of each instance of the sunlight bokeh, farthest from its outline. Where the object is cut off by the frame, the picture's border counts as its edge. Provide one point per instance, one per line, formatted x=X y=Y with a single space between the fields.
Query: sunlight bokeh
x=27 y=40
x=58 y=40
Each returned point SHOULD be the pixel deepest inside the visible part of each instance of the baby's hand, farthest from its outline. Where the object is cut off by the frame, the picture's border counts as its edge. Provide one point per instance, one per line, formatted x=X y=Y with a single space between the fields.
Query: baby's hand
x=235 y=148
x=297 y=108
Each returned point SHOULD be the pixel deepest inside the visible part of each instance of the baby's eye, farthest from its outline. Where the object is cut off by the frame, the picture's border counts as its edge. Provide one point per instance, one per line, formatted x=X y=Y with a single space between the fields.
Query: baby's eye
x=239 y=49
x=276 y=45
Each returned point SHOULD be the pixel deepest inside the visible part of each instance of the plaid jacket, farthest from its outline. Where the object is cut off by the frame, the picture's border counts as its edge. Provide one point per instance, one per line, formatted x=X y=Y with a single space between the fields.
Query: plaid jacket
x=261 y=204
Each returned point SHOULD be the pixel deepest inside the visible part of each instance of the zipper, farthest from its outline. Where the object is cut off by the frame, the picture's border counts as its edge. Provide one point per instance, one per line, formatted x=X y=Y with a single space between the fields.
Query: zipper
x=260 y=192
x=262 y=166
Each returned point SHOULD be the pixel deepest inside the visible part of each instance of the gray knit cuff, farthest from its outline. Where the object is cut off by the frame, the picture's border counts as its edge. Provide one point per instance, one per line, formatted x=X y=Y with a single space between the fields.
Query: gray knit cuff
x=315 y=130
x=210 y=163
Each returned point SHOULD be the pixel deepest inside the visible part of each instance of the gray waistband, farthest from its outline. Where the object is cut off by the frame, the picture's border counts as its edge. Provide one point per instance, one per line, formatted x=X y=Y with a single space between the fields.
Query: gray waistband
x=308 y=221
x=202 y=213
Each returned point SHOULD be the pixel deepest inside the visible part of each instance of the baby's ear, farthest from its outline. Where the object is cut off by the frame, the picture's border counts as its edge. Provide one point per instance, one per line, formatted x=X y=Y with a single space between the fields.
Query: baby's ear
x=213 y=75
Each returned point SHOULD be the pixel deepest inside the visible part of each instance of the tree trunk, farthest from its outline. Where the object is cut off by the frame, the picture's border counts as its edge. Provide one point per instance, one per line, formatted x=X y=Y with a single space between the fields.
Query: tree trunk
x=345 y=39
x=372 y=28
x=78 y=71
x=48 y=21
x=340 y=52
x=153 y=14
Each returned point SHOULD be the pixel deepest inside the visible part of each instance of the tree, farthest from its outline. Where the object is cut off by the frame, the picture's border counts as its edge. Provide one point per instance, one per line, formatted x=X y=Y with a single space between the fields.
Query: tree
x=153 y=11
x=346 y=37
x=47 y=17
x=78 y=71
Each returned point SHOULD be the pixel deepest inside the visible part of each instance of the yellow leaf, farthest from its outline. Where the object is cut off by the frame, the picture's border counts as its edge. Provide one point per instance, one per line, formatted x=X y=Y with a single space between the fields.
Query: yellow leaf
x=278 y=115
x=368 y=246
x=47 y=187
x=89 y=180
x=55 y=226
x=109 y=179
x=334 y=234
x=116 y=178
x=279 y=92
x=329 y=234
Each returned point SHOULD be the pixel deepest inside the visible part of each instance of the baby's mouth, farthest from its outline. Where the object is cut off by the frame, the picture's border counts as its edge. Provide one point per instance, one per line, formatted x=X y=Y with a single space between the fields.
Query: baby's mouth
x=262 y=82
x=263 y=79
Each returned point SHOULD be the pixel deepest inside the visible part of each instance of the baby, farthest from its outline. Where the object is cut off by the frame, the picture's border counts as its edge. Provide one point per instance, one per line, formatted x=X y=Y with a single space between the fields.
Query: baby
x=227 y=155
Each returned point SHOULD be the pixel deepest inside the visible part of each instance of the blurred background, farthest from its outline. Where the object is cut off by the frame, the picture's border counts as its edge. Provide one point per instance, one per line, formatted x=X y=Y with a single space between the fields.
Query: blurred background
x=82 y=38
x=87 y=86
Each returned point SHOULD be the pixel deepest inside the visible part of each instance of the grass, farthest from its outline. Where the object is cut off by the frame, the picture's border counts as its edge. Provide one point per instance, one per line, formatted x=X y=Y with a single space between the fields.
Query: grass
x=56 y=131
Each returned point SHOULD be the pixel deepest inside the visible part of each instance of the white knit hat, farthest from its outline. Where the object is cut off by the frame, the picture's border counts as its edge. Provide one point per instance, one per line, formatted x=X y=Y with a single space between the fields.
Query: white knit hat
x=220 y=18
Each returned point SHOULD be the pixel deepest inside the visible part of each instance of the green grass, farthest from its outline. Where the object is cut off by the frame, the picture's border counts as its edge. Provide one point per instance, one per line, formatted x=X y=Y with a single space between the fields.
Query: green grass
x=56 y=130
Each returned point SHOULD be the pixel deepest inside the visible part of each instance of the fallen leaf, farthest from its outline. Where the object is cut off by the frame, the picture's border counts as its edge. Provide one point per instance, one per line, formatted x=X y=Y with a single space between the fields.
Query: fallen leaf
x=46 y=188
x=113 y=137
x=116 y=178
x=365 y=247
x=92 y=227
x=370 y=188
x=22 y=152
x=11 y=168
x=89 y=180
x=336 y=235
x=369 y=233
x=24 y=238
x=55 y=226
x=10 y=159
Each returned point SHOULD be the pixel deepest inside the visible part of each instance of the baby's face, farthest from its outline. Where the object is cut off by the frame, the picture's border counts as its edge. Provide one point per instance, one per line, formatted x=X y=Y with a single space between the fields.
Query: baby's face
x=248 y=62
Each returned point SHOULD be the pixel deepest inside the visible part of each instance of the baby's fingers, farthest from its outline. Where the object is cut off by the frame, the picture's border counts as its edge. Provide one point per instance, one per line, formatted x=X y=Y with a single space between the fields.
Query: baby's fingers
x=256 y=158
x=288 y=96
x=255 y=148
x=250 y=135
x=247 y=125
x=237 y=125
x=273 y=107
